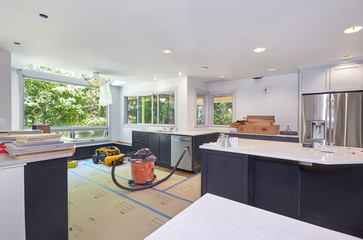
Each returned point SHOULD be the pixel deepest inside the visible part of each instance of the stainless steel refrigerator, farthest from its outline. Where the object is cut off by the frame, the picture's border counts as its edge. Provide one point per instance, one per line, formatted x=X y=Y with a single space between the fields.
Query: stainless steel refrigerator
x=334 y=119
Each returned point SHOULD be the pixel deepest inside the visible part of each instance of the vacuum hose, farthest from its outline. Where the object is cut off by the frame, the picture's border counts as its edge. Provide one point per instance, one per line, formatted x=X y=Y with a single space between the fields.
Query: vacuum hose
x=147 y=186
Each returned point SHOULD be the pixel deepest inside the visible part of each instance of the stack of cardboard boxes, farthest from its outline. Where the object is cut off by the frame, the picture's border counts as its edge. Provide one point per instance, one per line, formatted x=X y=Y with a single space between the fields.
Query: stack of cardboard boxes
x=257 y=125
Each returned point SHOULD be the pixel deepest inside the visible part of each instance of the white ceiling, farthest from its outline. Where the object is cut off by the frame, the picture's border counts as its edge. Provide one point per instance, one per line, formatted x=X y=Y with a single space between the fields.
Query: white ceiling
x=123 y=39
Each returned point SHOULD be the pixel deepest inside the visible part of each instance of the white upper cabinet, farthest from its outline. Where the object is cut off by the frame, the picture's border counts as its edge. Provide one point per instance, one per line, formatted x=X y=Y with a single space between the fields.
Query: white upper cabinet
x=315 y=80
x=346 y=77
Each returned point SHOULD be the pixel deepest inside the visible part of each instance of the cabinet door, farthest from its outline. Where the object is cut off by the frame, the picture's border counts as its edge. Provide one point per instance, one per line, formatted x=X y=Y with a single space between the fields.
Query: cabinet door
x=225 y=174
x=165 y=150
x=276 y=186
x=153 y=144
x=315 y=80
x=346 y=78
x=139 y=140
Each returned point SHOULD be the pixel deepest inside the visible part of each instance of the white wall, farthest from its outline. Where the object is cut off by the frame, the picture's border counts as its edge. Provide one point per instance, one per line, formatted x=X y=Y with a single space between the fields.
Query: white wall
x=281 y=99
x=114 y=116
x=194 y=86
x=5 y=90
x=177 y=84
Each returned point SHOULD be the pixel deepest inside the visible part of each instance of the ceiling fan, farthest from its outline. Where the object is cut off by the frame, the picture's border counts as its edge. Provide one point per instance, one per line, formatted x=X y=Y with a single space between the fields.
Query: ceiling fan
x=105 y=92
x=96 y=80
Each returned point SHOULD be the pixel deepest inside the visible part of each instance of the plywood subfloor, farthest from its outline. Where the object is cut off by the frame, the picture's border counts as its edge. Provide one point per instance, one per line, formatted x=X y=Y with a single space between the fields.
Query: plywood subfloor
x=98 y=209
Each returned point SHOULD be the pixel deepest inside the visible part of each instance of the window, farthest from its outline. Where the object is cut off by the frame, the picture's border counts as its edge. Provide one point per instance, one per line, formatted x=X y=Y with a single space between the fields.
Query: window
x=144 y=109
x=201 y=109
x=222 y=109
x=158 y=108
x=71 y=110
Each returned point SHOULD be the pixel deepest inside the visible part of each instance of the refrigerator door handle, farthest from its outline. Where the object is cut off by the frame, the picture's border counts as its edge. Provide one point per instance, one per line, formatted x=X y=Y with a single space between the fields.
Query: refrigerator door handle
x=331 y=120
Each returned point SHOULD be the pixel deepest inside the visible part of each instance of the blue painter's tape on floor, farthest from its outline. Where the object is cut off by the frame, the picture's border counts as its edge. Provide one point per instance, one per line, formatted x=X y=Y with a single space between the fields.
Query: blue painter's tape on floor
x=92 y=166
x=179 y=182
x=137 y=202
x=172 y=195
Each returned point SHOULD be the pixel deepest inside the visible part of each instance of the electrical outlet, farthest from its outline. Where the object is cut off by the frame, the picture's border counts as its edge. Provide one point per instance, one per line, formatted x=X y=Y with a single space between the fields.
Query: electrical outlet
x=2 y=121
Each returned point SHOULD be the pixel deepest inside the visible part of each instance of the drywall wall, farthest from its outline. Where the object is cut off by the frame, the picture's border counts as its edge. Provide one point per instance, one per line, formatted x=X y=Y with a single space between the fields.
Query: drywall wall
x=179 y=85
x=114 y=115
x=5 y=91
x=16 y=107
x=280 y=100
x=194 y=86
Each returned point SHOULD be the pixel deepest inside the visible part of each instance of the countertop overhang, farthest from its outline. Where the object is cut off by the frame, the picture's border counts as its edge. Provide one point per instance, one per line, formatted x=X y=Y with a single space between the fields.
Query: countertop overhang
x=292 y=152
x=7 y=161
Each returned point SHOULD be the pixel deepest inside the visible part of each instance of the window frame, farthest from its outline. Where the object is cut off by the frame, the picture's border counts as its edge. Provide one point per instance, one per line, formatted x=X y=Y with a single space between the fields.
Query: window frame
x=206 y=108
x=51 y=77
x=211 y=102
x=152 y=93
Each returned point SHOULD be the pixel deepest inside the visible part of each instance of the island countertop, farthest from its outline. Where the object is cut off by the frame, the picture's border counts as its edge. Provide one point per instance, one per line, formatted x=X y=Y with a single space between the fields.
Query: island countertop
x=293 y=152
x=213 y=217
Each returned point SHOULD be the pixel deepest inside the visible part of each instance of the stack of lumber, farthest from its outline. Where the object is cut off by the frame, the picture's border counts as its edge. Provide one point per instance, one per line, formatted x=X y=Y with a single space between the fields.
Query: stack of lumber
x=257 y=124
x=33 y=145
x=9 y=136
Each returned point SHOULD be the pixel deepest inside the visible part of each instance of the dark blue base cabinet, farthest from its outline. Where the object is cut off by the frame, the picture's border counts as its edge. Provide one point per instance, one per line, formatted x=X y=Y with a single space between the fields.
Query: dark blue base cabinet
x=324 y=195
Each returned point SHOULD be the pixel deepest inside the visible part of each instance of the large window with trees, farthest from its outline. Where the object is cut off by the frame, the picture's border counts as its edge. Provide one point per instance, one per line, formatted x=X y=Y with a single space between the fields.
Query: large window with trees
x=71 y=110
x=157 y=108
x=222 y=109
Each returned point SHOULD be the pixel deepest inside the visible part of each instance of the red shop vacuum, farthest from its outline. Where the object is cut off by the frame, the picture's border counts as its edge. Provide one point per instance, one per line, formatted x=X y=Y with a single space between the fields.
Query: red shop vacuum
x=142 y=170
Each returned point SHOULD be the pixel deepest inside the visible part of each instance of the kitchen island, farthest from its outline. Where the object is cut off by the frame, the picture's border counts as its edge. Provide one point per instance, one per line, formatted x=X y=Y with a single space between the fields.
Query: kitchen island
x=34 y=198
x=318 y=187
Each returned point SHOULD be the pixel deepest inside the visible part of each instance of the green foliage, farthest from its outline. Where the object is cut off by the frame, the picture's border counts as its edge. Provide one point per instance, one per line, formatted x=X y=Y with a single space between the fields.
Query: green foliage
x=132 y=110
x=145 y=109
x=61 y=105
x=223 y=113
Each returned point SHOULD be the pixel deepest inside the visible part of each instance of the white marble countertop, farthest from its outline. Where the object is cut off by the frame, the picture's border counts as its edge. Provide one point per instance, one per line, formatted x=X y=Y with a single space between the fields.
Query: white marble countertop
x=213 y=217
x=293 y=152
x=7 y=161
x=208 y=131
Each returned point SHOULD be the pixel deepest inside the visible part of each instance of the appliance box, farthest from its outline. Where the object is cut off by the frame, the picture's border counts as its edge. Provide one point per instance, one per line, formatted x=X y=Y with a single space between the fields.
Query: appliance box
x=274 y=129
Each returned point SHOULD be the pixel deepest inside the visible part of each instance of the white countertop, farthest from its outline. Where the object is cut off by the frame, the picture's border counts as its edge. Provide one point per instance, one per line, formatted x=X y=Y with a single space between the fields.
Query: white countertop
x=292 y=151
x=7 y=161
x=213 y=217
x=209 y=131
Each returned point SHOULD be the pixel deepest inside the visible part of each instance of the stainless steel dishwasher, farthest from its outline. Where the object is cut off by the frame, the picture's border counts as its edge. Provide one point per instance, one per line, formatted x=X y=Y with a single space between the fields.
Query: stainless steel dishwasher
x=178 y=143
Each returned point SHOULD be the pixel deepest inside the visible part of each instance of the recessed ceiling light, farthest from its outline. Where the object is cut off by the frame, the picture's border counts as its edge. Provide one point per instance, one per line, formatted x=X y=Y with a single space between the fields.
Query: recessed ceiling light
x=272 y=69
x=353 y=29
x=155 y=78
x=179 y=73
x=17 y=43
x=348 y=56
x=220 y=76
x=43 y=15
x=204 y=68
x=259 y=50
x=167 y=51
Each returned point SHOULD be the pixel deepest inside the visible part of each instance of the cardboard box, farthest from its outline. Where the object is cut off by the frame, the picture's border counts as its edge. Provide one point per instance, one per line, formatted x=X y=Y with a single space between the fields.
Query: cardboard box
x=273 y=130
x=44 y=127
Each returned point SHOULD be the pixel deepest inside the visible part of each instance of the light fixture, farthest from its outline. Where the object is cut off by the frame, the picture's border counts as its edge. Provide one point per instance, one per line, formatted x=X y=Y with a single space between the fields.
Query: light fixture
x=348 y=56
x=17 y=43
x=167 y=51
x=220 y=76
x=259 y=50
x=155 y=78
x=272 y=69
x=179 y=73
x=353 y=29
x=204 y=68
x=43 y=15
